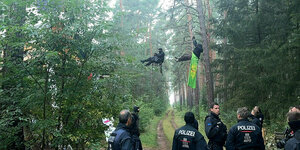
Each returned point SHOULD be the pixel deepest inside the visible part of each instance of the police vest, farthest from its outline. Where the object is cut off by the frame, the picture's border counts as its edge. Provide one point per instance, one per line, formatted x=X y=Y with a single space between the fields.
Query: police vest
x=115 y=136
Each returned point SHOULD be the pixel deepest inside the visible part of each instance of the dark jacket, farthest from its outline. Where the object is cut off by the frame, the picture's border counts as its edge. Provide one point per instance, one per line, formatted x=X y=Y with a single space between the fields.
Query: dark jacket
x=293 y=143
x=245 y=135
x=198 y=48
x=188 y=138
x=134 y=130
x=215 y=130
x=122 y=141
x=256 y=120
x=160 y=57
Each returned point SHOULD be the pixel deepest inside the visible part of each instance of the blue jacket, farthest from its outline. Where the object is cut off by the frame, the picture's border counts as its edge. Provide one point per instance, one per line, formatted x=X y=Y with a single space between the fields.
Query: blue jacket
x=123 y=139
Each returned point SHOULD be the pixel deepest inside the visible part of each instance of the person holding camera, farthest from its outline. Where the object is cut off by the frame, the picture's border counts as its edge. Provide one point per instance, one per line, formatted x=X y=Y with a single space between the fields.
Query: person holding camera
x=289 y=133
x=294 y=123
x=245 y=135
x=134 y=129
x=215 y=130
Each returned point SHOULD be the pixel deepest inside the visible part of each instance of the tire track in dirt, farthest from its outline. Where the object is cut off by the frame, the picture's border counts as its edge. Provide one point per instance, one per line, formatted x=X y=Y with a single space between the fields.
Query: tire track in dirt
x=162 y=141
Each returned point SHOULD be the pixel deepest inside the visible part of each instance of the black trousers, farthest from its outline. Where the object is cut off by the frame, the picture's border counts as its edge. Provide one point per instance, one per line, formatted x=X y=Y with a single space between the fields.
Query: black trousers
x=137 y=143
x=214 y=146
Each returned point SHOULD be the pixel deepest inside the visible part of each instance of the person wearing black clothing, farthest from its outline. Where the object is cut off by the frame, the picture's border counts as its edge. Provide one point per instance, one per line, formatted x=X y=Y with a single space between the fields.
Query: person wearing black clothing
x=198 y=48
x=197 y=51
x=123 y=140
x=188 y=137
x=157 y=58
x=245 y=135
x=215 y=130
x=294 y=123
x=134 y=130
x=257 y=117
x=196 y=124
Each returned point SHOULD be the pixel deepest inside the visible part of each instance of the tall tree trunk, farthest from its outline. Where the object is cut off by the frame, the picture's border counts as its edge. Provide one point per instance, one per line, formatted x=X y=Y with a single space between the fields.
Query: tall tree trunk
x=257 y=23
x=197 y=96
x=209 y=75
x=175 y=97
x=225 y=66
x=122 y=53
x=197 y=90
x=180 y=97
x=184 y=94
x=150 y=37
x=121 y=8
x=44 y=106
x=189 y=18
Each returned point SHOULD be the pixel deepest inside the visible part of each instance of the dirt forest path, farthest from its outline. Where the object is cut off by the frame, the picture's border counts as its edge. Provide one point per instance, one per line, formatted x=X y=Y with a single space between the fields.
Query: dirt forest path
x=162 y=141
x=172 y=121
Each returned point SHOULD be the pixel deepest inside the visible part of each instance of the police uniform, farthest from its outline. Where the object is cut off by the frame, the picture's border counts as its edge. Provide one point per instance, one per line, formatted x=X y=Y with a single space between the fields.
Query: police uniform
x=215 y=131
x=258 y=120
x=293 y=143
x=123 y=140
x=188 y=138
x=245 y=135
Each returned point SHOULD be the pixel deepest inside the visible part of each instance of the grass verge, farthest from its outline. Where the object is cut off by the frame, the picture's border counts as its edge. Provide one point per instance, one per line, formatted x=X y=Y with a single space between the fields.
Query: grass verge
x=168 y=128
x=148 y=137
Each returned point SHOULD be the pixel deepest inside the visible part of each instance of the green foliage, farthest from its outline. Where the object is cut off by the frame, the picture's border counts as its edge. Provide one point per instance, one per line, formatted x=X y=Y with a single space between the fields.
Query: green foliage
x=169 y=131
x=258 y=64
x=61 y=72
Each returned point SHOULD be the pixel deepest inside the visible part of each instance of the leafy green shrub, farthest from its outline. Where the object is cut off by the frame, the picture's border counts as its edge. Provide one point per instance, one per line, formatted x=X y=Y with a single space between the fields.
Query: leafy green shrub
x=146 y=114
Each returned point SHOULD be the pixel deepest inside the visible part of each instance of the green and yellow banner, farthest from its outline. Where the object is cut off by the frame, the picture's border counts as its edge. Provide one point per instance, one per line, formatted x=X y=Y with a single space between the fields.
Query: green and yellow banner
x=193 y=71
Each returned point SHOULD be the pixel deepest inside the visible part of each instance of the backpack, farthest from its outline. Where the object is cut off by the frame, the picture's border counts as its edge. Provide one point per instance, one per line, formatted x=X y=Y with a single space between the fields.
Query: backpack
x=114 y=137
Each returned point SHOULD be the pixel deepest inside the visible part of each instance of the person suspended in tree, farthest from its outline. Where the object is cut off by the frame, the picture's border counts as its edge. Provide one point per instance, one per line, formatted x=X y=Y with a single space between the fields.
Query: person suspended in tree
x=158 y=58
x=197 y=51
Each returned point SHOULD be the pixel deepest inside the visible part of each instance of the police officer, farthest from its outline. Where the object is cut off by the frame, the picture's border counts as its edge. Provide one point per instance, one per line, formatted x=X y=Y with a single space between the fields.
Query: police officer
x=294 y=123
x=245 y=135
x=123 y=139
x=257 y=117
x=187 y=137
x=134 y=130
x=215 y=130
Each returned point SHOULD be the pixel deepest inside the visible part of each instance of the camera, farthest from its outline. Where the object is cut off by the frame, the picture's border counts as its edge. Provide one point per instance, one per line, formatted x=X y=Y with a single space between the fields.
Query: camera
x=288 y=134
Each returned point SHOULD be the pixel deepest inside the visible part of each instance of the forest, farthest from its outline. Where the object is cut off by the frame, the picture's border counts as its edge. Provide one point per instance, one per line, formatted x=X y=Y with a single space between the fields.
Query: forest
x=67 y=64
